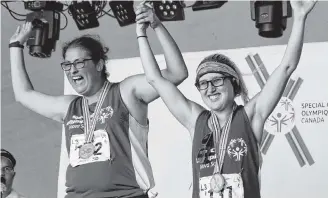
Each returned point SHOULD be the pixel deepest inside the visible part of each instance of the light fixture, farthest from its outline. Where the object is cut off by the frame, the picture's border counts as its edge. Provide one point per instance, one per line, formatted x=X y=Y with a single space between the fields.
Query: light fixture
x=169 y=10
x=84 y=14
x=205 y=5
x=270 y=17
x=123 y=12
x=43 y=5
x=45 y=19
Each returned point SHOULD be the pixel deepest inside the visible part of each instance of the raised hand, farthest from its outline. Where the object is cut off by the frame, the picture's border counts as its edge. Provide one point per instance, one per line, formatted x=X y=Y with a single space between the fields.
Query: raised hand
x=22 y=33
x=145 y=17
x=302 y=7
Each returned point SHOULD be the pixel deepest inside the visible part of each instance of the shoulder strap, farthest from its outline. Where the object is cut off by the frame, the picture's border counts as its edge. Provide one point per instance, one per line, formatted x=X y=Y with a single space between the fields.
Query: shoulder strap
x=199 y=132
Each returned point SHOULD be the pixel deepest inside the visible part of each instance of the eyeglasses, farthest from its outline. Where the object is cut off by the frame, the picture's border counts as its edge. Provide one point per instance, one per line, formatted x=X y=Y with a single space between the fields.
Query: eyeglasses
x=216 y=82
x=78 y=64
x=203 y=152
x=7 y=170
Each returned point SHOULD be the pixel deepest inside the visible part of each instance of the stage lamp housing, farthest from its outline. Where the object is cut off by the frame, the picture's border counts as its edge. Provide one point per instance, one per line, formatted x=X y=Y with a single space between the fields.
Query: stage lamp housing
x=206 y=5
x=169 y=10
x=84 y=14
x=270 y=17
x=46 y=28
x=43 y=5
x=123 y=12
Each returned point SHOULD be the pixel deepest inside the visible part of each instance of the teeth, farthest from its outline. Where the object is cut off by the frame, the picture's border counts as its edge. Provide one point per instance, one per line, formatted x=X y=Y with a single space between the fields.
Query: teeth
x=77 y=78
x=213 y=97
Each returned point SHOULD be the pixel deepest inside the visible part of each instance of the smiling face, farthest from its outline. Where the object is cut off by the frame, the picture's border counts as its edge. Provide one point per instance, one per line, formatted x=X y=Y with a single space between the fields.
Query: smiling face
x=83 y=80
x=217 y=98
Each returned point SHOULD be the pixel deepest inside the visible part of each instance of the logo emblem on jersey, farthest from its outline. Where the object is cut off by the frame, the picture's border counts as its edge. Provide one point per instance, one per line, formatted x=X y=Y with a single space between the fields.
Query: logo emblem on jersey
x=237 y=149
x=77 y=121
x=105 y=113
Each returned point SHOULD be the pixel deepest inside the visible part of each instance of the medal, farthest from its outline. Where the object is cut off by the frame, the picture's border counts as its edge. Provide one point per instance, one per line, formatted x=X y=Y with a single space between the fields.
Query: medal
x=86 y=150
x=217 y=183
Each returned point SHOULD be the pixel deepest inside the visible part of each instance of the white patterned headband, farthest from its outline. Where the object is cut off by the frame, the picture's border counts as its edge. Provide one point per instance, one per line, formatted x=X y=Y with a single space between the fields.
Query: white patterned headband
x=215 y=67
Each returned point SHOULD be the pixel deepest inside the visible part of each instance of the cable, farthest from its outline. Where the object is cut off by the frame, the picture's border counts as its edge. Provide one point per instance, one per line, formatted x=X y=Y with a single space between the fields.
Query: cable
x=104 y=12
x=7 y=7
x=65 y=20
x=5 y=4
x=107 y=13
x=99 y=8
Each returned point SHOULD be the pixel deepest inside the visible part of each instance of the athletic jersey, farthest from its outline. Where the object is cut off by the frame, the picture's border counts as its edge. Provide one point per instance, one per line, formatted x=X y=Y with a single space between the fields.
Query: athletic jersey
x=128 y=172
x=241 y=163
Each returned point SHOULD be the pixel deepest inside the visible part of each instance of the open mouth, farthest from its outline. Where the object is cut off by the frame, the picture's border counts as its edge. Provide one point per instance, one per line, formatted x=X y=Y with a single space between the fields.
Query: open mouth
x=214 y=96
x=77 y=79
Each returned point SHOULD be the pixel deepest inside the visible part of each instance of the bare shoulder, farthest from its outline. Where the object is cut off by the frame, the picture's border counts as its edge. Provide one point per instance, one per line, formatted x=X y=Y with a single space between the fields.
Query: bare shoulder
x=128 y=84
x=250 y=108
x=128 y=87
x=256 y=121
x=197 y=109
x=65 y=101
x=137 y=108
x=68 y=98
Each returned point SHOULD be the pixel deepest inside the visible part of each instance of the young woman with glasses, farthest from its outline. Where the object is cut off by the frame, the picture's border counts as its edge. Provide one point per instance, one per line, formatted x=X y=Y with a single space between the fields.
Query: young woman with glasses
x=225 y=153
x=106 y=126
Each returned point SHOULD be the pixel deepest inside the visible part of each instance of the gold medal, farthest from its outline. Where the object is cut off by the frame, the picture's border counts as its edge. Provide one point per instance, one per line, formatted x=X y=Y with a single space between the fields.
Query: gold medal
x=86 y=151
x=217 y=183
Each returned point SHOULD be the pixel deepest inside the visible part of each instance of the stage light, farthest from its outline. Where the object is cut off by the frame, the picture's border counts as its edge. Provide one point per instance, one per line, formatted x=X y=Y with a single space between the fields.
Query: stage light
x=270 y=17
x=123 y=12
x=169 y=10
x=43 y=5
x=46 y=27
x=205 y=5
x=45 y=19
x=84 y=14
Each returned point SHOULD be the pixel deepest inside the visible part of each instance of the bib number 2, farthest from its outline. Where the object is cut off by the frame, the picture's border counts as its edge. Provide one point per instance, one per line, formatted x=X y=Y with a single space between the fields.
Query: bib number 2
x=101 y=148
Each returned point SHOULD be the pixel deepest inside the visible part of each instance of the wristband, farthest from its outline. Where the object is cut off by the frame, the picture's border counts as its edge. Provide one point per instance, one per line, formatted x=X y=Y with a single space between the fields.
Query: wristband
x=142 y=36
x=16 y=44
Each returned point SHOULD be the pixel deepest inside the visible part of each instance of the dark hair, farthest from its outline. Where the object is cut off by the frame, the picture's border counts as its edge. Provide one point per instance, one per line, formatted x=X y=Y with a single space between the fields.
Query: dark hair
x=9 y=156
x=238 y=89
x=90 y=43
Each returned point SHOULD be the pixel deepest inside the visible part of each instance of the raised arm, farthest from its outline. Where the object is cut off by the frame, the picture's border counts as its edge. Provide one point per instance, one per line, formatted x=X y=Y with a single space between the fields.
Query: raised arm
x=184 y=110
x=49 y=106
x=264 y=103
x=176 y=71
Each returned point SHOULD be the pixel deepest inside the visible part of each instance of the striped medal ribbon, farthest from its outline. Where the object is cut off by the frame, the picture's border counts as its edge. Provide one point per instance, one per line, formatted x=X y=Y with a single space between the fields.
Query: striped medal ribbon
x=220 y=143
x=87 y=149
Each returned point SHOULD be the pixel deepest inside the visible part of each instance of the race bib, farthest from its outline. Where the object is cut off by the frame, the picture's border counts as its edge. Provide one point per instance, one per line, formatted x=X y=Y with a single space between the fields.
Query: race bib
x=233 y=187
x=101 y=145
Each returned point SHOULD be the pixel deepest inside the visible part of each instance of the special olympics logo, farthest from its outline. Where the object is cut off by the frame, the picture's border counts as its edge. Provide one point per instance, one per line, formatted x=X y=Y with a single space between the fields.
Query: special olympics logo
x=282 y=119
x=237 y=148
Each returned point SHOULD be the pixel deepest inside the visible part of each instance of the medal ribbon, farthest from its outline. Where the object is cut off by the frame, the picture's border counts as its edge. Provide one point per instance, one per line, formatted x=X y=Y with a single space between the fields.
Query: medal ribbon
x=89 y=128
x=220 y=140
